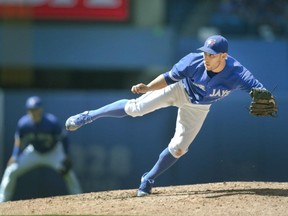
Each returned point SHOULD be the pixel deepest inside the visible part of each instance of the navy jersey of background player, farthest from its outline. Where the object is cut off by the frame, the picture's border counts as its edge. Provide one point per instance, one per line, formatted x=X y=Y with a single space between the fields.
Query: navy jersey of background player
x=200 y=86
x=43 y=135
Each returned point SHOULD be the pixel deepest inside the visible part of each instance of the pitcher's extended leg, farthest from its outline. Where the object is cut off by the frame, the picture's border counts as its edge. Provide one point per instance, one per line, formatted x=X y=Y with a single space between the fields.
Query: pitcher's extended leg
x=115 y=110
x=146 y=103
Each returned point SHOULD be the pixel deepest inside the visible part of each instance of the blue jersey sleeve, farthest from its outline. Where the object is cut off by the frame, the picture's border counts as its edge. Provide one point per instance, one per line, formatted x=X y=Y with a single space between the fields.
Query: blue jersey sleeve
x=21 y=130
x=248 y=81
x=180 y=70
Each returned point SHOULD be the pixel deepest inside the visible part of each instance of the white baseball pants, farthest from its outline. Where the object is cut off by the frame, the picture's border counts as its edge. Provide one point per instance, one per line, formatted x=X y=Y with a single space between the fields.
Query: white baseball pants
x=190 y=116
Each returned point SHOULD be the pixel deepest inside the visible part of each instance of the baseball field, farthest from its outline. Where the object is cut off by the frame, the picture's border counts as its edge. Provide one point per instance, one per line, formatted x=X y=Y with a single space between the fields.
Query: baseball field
x=225 y=199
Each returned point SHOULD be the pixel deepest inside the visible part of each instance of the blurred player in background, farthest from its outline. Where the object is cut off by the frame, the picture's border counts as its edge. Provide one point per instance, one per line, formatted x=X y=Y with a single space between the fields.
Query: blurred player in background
x=193 y=84
x=39 y=141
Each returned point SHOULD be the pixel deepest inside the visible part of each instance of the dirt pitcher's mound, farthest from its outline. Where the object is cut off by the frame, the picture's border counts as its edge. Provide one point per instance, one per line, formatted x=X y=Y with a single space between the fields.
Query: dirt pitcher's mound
x=228 y=198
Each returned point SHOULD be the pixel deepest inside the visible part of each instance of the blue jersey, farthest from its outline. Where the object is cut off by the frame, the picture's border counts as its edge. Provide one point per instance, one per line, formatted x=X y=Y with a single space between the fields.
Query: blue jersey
x=203 y=89
x=43 y=135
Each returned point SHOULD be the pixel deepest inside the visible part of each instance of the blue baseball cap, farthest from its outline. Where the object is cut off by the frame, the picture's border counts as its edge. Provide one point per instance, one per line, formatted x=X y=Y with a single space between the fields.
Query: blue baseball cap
x=215 y=44
x=33 y=102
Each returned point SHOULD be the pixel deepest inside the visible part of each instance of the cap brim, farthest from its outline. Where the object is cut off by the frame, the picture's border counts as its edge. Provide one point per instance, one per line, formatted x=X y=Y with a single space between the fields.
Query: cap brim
x=207 y=50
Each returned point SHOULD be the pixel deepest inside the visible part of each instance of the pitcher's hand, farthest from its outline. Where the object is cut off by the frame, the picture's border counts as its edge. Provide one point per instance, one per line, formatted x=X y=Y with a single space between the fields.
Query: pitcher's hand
x=140 y=88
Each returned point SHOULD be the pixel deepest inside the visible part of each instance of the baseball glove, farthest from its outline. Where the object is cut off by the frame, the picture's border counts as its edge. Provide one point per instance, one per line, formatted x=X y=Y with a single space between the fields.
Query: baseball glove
x=263 y=103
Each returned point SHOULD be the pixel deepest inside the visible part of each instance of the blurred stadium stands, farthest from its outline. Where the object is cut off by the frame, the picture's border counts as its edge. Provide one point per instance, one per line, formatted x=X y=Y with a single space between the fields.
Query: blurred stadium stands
x=262 y=18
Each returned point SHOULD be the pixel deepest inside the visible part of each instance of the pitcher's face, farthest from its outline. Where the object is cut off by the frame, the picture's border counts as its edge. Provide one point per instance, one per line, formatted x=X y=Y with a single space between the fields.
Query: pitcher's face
x=215 y=62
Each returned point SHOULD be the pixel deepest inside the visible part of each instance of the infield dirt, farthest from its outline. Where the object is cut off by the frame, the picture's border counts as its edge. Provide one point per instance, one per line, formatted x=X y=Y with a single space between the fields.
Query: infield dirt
x=227 y=198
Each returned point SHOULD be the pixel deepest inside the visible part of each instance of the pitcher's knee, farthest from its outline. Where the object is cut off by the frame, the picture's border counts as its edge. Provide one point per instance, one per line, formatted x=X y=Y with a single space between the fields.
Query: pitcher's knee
x=177 y=151
x=132 y=108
